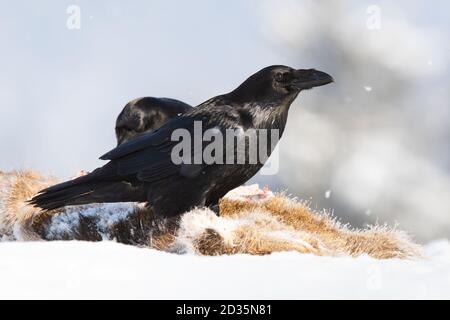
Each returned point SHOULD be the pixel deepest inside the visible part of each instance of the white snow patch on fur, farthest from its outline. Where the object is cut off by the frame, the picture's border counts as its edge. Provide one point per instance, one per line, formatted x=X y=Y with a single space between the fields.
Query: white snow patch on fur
x=194 y=223
x=106 y=214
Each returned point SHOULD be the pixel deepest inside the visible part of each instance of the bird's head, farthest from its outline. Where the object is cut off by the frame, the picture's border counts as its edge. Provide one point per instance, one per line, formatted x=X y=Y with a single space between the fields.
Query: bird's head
x=280 y=83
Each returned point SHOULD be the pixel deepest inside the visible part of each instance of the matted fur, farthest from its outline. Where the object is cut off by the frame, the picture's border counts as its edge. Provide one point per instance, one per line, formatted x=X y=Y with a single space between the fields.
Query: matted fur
x=257 y=222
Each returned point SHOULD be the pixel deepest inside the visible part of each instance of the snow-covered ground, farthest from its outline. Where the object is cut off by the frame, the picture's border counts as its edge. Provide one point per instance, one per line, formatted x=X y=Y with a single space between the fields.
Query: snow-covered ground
x=83 y=270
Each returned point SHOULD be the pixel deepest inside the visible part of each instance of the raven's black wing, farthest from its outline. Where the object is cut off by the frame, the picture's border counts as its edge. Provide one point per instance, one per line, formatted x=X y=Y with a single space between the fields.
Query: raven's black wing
x=145 y=159
x=148 y=157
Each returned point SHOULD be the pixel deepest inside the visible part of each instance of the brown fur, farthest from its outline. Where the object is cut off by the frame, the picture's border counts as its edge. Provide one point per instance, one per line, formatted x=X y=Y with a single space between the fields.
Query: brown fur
x=251 y=227
x=324 y=234
x=18 y=187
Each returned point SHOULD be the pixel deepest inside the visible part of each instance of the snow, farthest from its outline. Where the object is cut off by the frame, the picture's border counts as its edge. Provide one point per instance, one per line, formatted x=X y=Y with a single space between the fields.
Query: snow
x=108 y=270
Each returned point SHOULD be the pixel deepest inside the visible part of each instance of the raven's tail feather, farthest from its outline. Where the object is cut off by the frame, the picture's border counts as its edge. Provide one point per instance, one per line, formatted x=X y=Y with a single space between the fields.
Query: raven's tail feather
x=92 y=188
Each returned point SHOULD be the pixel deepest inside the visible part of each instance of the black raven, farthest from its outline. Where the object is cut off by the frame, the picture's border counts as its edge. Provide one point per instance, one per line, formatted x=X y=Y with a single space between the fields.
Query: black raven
x=143 y=170
x=145 y=115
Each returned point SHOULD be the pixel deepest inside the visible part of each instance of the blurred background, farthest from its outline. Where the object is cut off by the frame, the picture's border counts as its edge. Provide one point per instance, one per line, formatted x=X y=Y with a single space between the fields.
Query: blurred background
x=373 y=147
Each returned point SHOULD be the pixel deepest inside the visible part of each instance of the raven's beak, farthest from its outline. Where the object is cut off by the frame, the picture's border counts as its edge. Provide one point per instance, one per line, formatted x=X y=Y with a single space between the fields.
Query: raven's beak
x=310 y=78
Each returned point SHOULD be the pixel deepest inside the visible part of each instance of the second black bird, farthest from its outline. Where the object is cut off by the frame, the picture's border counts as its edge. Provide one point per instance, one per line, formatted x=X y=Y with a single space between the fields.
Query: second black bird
x=145 y=115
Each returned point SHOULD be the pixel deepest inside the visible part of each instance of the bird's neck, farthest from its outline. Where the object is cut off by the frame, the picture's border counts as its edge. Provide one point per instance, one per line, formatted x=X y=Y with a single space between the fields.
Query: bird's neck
x=266 y=114
x=269 y=116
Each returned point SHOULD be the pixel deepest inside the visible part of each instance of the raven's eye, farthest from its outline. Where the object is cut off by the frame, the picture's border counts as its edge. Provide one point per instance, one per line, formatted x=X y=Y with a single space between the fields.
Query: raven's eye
x=279 y=77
